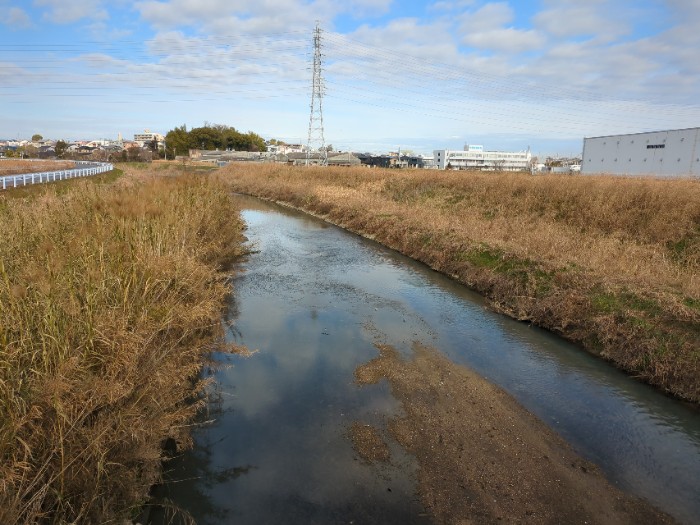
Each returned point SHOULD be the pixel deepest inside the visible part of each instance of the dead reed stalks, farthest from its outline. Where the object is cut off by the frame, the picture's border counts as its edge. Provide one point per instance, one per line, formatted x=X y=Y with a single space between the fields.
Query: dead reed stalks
x=611 y=263
x=110 y=298
x=18 y=166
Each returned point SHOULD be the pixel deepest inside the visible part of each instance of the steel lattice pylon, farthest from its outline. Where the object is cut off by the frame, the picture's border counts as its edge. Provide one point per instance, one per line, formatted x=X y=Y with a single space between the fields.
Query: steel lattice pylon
x=316 y=141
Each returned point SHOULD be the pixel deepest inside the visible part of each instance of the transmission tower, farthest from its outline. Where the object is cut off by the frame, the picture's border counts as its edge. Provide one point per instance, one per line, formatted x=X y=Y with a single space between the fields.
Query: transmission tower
x=316 y=142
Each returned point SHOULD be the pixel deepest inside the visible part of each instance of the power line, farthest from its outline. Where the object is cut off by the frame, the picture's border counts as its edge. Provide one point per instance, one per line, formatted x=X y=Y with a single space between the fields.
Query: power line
x=316 y=141
x=260 y=67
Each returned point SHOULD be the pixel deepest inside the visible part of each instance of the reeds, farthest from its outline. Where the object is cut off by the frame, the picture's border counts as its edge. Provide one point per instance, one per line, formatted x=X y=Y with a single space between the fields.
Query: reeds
x=18 y=166
x=611 y=263
x=110 y=298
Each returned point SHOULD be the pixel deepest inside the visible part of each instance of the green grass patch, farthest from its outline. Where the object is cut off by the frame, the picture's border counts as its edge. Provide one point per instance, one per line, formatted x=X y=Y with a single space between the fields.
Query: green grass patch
x=692 y=303
x=426 y=239
x=686 y=249
x=526 y=272
x=622 y=302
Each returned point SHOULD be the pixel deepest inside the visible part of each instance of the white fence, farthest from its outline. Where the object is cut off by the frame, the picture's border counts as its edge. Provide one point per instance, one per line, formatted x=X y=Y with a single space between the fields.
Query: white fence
x=82 y=169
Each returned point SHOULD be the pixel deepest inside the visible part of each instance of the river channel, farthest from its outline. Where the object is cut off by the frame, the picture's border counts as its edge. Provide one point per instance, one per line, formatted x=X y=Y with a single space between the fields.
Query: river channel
x=314 y=301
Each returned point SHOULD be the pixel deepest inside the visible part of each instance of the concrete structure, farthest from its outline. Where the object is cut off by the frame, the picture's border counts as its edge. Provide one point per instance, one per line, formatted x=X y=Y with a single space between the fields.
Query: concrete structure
x=672 y=153
x=148 y=137
x=343 y=159
x=474 y=157
x=285 y=149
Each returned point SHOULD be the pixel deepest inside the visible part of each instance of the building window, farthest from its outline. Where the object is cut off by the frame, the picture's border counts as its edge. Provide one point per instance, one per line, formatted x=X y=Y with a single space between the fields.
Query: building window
x=656 y=146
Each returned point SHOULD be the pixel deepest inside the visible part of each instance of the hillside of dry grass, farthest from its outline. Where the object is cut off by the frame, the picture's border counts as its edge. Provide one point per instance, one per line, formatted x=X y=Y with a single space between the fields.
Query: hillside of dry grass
x=110 y=299
x=610 y=263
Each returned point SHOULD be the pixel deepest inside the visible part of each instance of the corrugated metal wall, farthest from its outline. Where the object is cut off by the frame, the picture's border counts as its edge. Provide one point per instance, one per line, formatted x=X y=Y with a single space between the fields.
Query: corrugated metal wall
x=672 y=153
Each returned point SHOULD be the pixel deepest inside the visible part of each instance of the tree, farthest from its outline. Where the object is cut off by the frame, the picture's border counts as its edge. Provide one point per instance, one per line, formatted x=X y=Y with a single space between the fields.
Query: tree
x=36 y=137
x=133 y=154
x=31 y=152
x=206 y=138
x=177 y=141
x=499 y=165
x=256 y=142
x=61 y=147
x=213 y=136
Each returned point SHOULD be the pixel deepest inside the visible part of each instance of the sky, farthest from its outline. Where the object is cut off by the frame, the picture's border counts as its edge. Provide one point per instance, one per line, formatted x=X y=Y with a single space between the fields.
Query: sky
x=415 y=75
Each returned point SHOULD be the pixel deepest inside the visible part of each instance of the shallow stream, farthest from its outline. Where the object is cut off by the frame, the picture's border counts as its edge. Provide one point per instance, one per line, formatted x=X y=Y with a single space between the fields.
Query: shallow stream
x=314 y=300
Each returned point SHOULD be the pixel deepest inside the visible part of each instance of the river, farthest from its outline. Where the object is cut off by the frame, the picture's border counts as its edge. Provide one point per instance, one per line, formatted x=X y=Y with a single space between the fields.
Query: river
x=314 y=300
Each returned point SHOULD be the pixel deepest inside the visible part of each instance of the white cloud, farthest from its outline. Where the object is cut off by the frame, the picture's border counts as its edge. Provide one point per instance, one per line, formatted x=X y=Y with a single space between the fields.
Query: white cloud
x=591 y=65
x=579 y=20
x=490 y=16
x=508 y=40
x=16 y=18
x=615 y=59
x=451 y=5
x=253 y=16
x=410 y=37
x=487 y=28
x=64 y=12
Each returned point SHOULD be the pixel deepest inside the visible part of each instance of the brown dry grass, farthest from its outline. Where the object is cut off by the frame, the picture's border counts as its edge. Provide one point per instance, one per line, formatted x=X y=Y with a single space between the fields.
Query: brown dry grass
x=110 y=299
x=611 y=263
x=19 y=166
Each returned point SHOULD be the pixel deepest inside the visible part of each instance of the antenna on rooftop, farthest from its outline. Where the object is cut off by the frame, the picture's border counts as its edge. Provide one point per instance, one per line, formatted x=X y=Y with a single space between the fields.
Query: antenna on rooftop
x=316 y=142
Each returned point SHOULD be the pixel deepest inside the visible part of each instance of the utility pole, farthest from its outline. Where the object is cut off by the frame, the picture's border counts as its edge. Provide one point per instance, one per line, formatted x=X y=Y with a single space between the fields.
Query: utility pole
x=316 y=142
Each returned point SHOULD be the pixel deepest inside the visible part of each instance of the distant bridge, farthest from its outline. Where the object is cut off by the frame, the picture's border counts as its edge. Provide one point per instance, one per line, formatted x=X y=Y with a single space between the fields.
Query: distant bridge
x=82 y=169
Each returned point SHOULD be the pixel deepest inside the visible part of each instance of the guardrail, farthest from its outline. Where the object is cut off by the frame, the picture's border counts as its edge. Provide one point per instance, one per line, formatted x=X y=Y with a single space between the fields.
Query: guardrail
x=86 y=169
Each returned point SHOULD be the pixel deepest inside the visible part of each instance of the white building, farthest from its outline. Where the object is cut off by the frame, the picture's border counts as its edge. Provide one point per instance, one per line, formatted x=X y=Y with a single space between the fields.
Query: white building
x=672 y=153
x=148 y=137
x=474 y=157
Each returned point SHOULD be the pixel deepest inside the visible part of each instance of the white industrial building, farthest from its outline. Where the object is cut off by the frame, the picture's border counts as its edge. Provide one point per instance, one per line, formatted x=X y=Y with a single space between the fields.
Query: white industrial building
x=672 y=153
x=473 y=157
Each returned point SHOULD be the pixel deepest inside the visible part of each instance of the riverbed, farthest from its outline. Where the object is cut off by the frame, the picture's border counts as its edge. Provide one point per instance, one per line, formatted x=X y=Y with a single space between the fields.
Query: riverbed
x=316 y=303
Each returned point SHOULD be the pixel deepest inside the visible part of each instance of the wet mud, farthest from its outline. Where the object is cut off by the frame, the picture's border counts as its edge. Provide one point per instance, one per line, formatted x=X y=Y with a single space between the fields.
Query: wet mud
x=483 y=458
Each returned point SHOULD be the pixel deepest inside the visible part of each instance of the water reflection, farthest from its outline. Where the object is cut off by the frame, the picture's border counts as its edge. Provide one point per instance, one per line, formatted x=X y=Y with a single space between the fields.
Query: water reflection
x=314 y=300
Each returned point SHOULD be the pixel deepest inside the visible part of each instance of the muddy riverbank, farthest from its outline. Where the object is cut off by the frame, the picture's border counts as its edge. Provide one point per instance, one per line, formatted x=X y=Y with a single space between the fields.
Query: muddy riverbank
x=482 y=457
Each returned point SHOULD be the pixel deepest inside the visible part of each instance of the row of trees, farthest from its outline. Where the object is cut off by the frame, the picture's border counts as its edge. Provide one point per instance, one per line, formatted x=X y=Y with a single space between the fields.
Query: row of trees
x=30 y=151
x=179 y=141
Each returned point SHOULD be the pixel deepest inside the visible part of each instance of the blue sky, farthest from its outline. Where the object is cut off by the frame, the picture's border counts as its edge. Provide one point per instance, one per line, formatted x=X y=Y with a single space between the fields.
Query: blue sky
x=415 y=75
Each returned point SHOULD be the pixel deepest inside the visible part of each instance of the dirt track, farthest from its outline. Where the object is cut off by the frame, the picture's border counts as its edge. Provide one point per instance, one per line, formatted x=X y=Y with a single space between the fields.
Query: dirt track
x=485 y=459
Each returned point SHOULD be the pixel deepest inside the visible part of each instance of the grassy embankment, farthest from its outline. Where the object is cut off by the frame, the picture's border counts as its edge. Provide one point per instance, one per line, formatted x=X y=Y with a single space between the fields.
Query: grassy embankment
x=110 y=299
x=19 y=166
x=610 y=263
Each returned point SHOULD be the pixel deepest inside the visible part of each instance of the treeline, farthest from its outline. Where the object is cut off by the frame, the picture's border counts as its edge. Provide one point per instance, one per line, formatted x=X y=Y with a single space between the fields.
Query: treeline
x=179 y=141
